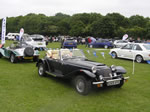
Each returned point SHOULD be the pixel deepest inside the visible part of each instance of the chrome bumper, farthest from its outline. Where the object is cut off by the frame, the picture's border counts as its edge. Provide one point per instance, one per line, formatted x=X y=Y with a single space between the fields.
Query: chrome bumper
x=101 y=82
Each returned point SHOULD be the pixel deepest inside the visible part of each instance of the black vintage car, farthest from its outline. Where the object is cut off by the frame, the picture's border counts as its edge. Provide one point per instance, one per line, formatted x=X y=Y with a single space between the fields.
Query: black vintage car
x=84 y=73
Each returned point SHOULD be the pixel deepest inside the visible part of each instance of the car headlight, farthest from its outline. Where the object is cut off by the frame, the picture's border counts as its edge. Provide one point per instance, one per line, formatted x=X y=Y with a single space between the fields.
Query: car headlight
x=113 y=68
x=94 y=69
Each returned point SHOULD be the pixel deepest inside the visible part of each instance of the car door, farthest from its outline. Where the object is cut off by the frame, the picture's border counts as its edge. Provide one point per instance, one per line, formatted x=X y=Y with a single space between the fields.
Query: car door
x=126 y=51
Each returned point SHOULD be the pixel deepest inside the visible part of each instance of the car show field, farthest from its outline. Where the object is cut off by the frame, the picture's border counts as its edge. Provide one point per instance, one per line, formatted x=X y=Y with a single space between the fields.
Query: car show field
x=23 y=90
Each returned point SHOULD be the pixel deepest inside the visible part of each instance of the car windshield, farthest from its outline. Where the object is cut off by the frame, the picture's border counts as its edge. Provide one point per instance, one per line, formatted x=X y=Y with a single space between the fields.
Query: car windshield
x=75 y=53
x=147 y=47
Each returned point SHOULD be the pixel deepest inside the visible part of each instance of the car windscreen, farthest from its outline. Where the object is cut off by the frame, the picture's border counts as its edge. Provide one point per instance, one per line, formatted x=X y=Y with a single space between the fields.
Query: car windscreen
x=37 y=38
x=75 y=53
x=69 y=41
x=147 y=47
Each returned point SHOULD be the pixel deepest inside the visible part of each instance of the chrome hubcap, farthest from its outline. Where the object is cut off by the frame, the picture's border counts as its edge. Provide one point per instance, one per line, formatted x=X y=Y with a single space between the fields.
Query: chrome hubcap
x=139 y=59
x=80 y=85
x=41 y=70
x=12 y=58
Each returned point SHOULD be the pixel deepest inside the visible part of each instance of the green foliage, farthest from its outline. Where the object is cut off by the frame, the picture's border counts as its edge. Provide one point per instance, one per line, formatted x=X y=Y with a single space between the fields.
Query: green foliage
x=81 y=24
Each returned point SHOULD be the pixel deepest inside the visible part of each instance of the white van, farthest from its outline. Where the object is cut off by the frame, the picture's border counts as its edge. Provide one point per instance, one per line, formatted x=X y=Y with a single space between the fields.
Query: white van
x=11 y=36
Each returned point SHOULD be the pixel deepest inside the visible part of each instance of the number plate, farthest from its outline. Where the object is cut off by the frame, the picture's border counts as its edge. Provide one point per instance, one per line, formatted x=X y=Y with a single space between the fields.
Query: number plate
x=28 y=57
x=70 y=43
x=111 y=83
x=39 y=43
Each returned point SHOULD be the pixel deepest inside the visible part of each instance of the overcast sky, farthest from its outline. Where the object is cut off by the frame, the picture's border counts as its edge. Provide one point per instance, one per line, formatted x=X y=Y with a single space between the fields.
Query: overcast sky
x=13 y=8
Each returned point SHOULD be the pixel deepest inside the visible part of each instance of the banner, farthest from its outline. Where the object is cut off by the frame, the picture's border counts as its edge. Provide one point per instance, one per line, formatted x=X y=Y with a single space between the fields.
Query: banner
x=21 y=33
x=3 y=31
x=125 y=37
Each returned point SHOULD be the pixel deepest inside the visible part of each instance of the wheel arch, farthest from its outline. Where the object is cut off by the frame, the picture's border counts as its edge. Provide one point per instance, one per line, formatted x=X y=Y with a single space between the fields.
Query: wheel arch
x=83 y=72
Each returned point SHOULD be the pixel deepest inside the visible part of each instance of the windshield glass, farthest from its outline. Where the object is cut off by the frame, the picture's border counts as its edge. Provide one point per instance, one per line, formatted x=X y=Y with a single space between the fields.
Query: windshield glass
x=147 y=47
x=75 y=53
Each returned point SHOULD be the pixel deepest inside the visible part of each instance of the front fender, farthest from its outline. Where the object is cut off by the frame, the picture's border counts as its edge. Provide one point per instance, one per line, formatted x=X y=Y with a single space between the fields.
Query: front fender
x=88 y=73
x=40 y=61
x=80 y=71
x=120 y=70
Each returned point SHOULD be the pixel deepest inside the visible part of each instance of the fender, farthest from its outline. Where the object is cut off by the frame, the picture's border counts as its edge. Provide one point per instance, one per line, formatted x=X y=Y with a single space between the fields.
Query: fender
x=86 y=72
x=90 y=74
x=120 y=70
x=40 y=61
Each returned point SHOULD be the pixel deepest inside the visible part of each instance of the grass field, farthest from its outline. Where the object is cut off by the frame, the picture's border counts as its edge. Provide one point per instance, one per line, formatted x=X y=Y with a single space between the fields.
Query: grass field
x=22 y=90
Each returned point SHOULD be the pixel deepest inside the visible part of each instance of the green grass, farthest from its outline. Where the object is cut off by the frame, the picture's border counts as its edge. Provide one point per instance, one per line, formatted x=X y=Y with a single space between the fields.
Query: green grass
x=22 y=90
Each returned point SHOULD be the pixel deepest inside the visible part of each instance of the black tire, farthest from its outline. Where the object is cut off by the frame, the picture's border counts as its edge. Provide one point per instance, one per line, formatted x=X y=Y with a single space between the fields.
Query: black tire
x=120 y=85
x=1 y=55
x=35 y=59
x=114 y=55
x=139 y=59
x=13 y=59
x=41 y=69
x=82 y=84
x=28 y=51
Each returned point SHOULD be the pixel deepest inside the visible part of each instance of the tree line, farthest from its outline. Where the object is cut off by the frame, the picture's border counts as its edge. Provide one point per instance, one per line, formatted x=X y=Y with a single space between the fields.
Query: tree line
x=82 y=24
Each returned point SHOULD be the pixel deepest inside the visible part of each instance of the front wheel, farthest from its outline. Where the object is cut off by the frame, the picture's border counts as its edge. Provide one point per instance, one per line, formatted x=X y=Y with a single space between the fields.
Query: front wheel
x=41 y=69
x=13 y=59
x=82 y=85
x=114 y=55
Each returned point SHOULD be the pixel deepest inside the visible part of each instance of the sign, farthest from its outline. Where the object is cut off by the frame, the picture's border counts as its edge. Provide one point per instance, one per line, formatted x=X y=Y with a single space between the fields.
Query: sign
x=125 y=37
x=3 y=31
x=21 y=33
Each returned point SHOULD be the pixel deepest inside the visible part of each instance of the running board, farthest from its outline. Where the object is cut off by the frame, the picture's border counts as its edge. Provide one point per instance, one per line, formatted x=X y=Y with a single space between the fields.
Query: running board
x=54 y=74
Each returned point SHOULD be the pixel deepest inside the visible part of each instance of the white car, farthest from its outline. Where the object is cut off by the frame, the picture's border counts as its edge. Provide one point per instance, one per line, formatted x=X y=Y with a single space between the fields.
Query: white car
x=120 y=43
x=11 y=36
x=138 y=51
x=36 y=41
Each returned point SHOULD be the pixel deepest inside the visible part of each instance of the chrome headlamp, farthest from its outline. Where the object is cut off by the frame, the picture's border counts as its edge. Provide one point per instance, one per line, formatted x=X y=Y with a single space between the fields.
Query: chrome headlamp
x=93 y=69
x=113 y=68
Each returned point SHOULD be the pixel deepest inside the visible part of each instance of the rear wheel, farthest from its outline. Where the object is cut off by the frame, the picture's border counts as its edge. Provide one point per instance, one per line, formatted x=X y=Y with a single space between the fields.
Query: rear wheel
x=139 y=59
x=41 y=69
x=82 y=85
x=13 y=59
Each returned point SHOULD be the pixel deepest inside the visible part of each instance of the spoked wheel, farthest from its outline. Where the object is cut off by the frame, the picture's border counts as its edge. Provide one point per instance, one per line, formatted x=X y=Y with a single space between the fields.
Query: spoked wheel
x=13 y=59
x=82 y=85
x=114 y=55
x=41 y=69
x=139 y=59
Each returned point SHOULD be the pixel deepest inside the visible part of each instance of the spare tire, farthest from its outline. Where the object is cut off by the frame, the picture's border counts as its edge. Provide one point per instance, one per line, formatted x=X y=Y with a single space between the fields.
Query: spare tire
x=28 y=51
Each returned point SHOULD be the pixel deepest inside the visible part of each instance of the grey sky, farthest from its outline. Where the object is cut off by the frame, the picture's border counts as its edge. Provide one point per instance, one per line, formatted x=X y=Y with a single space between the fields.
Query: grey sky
x=13 y=8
